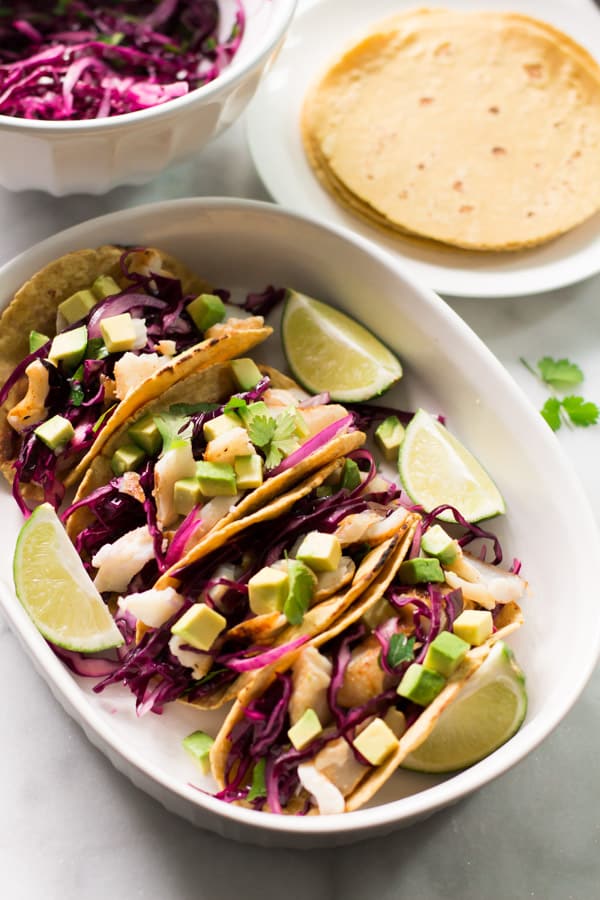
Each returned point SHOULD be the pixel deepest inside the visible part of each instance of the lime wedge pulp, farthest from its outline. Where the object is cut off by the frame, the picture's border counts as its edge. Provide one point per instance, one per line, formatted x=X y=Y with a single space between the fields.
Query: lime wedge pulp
x=435 y=469
x=487 y=712
x=56 y=591
x=326 y=350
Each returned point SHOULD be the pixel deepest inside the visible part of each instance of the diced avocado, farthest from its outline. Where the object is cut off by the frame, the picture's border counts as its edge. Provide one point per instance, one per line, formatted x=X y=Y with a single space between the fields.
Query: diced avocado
x=268 y=590
x=437 y=542
x=258 y=787
x=246 y=372
x=301 y=589
x=127 y=458
x=321 y=551
x=302 y=430
x=248 y=471
x=248 y=413
x=199 y=626
x=216 y=479
x=420 y=569
x=388 y=437
x=324 y=490
x=186 y=495
x=305 y=730
x=198 y=744
x=69 y=347
x=77 y=306
x=37 y=340
x=376 y=742
x=420 y=685
x=214 y=428
x=55 y=432
x=378 y=613
x=146 y=435
x=206 y=310
x=118 y=332
x=445 y=653
x=395 y=720
x=474 y=626
x=104 y=286
x=350 y=475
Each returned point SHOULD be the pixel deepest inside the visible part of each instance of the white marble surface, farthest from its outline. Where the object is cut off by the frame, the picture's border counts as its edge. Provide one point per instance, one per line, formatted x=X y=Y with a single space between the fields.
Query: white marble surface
x=73 y=828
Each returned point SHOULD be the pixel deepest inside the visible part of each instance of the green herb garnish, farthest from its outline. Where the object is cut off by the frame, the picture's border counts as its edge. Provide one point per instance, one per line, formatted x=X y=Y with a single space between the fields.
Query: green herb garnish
x=560 y=375
x=400 y=649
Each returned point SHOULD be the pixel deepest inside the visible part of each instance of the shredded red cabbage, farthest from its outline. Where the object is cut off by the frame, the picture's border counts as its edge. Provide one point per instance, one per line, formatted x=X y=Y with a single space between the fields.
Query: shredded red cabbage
x=312 y=444
x=73 y=60
x=473 y=531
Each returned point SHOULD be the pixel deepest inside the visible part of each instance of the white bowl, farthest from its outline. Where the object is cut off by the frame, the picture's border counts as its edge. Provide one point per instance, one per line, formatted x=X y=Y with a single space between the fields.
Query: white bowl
x=549 y=524
x=96 y=155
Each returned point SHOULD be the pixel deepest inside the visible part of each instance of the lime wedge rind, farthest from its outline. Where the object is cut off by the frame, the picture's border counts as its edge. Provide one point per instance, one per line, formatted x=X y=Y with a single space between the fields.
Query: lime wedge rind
x=436 y=469
x=55 y=590
x=326 y=350
x=487 y=713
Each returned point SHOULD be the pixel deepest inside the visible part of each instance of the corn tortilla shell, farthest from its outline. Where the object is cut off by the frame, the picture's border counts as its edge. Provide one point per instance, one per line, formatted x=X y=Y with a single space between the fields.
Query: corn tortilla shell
x=480 y=130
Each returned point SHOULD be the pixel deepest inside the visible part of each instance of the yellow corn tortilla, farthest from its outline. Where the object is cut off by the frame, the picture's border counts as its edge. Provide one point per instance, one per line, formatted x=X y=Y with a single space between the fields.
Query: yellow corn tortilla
x=480 y=130
x=34 y=307
x=212 y=385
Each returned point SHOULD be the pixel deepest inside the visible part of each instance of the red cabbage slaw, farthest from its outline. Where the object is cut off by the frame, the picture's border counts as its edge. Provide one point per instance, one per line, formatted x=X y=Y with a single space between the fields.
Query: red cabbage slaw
x=81 y=397
x=66 y=60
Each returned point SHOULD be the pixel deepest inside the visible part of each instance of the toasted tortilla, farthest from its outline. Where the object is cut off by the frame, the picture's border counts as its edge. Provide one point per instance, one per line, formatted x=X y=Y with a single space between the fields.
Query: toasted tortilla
x=480 y=130
x=34 y=307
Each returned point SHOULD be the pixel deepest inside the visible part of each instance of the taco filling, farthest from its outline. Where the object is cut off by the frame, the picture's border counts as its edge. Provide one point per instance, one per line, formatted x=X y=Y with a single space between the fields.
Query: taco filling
x=108 y=339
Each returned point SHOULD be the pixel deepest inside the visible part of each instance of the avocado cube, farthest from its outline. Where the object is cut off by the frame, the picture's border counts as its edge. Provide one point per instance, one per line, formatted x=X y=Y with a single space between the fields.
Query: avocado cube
x=69 y=347
x=378 y=613
x=321 y=551
x=350 y=475
x=445 y=653
x=118 y=332
x=376 y=742
x=104 y=286
x=249 y=413
x=186 y=495
x=248 y=471
x=420 y=570
x=437 y=542
x=77 y=306
x=199 y=626
x=302 y=430
x=389 y=435
x=214 y=428
x=55 y=432
x=206 y=310
x=37 y=340
x=216 y=479
x=268 y=590
x=246 y=372
x=324 y=490
x=305 y=730
x=474 y=626
x=198 y=745
x=420 y=685
x=301 y=590
x=146 y=435
x=127 y=458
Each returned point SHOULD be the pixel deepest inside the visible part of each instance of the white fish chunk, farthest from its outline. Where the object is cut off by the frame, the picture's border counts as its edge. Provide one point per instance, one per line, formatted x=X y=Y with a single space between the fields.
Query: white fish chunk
x=118 y=562
x=311 y=675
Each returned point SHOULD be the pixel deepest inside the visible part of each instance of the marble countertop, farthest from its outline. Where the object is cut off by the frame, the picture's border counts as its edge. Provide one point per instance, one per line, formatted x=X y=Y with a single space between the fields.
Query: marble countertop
x=71 y=827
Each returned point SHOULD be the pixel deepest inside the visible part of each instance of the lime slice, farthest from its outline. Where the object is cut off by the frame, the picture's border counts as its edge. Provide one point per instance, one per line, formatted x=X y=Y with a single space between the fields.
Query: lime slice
x=435 y=469
x=487 y=712
x=55 y=589
x=326 y=350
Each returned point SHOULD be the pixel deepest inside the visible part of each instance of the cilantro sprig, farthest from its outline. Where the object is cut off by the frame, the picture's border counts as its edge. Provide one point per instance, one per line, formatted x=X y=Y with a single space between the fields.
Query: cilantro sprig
x=275 y=436
x=400 y=649
x=572 y=410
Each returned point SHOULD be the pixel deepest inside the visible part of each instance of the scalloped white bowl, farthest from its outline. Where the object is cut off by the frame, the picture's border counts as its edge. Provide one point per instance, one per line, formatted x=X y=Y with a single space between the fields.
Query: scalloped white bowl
x=246 y=245
x=93 y=156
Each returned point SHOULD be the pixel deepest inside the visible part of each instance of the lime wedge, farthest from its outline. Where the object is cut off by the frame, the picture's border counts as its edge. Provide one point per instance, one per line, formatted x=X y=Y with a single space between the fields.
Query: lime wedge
x=326 y=350
x=55 y=589
x=435 y=469
x=487 y=712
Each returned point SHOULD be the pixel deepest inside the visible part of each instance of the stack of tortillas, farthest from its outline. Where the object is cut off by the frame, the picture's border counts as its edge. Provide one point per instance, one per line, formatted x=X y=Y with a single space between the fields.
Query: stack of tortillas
x=480 y=129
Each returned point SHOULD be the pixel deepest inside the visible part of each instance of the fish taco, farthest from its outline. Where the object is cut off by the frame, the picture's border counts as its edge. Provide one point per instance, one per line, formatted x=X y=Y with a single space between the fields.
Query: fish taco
x=323 y=728
x=85 y=342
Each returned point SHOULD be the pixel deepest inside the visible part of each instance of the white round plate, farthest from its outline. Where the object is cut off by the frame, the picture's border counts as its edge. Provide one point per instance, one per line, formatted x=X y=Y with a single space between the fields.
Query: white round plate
x=319 y=33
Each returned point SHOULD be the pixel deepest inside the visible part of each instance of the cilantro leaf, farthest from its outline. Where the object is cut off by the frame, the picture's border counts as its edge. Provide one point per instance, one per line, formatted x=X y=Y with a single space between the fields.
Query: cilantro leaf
x=258 y=787
x=77 y=394
x=235 y=403
x=273 y=457
x=302 y=585
x=262 y=430
x=400 y=649
x=285 y=425
x=175 y=428
x=559 y=373
x=581 y=412
x=551 y=412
